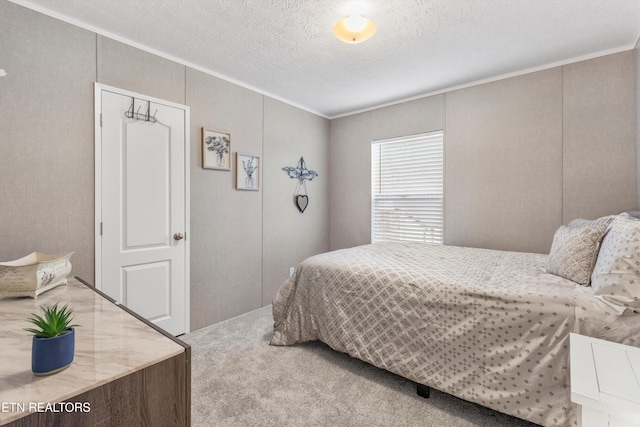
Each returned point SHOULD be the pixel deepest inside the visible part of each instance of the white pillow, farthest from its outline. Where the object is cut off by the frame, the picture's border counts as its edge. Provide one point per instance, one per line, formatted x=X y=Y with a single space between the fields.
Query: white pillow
x=574 y=251
x=579 y=222
x=616 y=275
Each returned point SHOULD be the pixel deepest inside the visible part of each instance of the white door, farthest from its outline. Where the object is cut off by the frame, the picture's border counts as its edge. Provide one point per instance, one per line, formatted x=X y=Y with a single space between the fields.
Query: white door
x=142 y=204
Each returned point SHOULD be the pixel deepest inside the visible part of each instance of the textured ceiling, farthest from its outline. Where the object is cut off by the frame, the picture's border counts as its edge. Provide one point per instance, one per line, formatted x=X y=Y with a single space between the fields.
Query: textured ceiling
x=285 y=48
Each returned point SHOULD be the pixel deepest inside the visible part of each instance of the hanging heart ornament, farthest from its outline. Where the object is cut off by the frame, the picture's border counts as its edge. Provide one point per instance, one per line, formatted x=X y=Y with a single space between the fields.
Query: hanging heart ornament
x=302 y=201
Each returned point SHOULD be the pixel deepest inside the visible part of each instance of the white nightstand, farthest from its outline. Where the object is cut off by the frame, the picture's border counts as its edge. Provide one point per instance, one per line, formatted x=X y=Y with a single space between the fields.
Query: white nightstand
x=605 y=382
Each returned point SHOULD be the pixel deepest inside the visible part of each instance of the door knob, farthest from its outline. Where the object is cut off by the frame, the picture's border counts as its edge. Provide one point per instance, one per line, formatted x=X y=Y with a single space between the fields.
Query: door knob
x=178 y=236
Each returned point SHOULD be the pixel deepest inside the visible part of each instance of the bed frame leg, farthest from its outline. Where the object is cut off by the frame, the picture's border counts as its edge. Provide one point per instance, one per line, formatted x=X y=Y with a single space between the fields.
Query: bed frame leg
x=423 y=390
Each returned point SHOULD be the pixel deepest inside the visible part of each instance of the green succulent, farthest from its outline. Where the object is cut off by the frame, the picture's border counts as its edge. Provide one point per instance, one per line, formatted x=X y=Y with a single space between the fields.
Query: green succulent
x=55 y=322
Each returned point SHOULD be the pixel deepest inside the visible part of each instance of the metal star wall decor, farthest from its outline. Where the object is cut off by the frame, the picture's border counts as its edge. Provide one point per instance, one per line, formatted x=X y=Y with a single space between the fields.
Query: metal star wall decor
x=302 y=174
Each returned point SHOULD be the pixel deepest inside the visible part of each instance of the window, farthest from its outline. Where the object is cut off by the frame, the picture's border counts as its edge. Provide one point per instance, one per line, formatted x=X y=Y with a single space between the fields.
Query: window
x=408 y=189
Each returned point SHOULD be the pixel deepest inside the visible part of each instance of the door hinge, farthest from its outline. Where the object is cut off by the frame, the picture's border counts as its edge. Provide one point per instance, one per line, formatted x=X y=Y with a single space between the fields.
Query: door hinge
x=100 y=119
x=101 y=229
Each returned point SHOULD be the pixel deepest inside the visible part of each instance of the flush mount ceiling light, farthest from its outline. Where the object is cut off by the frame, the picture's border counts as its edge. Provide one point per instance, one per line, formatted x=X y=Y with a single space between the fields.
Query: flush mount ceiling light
x=354 y=29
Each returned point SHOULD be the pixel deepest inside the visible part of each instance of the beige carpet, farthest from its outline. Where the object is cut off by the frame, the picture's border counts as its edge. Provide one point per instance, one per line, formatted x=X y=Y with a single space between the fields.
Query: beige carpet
x=238 y=379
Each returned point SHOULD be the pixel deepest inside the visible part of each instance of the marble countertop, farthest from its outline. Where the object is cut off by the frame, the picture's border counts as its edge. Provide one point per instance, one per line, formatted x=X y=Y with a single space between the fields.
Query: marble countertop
x=110 y=344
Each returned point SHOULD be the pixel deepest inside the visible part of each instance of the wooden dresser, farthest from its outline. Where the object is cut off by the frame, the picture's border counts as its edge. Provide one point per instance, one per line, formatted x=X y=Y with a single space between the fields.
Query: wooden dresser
x=126 y=371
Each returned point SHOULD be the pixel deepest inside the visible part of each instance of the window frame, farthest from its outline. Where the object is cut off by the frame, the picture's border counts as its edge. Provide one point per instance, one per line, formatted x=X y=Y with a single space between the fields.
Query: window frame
x=407 y=230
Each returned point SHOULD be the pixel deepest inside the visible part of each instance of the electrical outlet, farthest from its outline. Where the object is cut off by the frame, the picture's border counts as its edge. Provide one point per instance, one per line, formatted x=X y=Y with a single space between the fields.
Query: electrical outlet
x=291 y=271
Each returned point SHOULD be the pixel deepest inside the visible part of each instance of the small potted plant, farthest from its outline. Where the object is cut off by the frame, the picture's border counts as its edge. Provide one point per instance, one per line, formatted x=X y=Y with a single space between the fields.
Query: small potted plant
x=53 y=340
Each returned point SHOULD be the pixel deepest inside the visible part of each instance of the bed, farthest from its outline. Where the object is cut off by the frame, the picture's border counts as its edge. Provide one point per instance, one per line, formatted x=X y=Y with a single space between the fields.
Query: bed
x=488 y=326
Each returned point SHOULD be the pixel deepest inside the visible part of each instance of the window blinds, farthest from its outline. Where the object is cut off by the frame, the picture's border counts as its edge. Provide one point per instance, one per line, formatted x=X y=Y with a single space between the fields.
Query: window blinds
x=408 y=189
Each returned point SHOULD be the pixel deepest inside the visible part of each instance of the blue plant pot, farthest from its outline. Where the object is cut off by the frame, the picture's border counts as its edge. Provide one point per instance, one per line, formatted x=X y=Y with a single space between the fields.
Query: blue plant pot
x=52 y=355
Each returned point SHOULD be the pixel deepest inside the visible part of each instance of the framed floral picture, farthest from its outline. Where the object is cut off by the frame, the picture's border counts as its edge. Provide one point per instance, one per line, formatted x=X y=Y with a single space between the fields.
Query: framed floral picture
x=247 y=172
x=216 y=149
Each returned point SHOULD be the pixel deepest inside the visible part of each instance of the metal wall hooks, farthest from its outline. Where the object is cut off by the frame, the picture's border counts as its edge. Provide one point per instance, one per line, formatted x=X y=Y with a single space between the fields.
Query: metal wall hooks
x=147 y=117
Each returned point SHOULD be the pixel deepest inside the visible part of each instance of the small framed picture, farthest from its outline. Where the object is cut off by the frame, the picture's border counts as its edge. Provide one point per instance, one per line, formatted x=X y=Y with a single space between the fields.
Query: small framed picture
x=216 y=149
x=247 y=172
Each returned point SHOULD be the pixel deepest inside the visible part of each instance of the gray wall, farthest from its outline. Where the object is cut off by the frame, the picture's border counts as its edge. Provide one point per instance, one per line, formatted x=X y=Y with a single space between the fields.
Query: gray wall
x=291 y=133
x=637 y=92
x=522 y=155
x=46 y=137
x=226 y=224
x=599 y=150
x=503 y=155
x=242 y=242
x=350 y=162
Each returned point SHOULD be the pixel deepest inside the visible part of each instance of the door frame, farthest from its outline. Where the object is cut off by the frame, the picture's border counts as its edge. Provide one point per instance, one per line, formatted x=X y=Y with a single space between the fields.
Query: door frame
x=98 y=89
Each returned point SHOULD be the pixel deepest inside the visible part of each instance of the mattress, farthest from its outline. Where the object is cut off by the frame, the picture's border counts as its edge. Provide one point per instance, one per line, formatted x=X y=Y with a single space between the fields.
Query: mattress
x=488 y=326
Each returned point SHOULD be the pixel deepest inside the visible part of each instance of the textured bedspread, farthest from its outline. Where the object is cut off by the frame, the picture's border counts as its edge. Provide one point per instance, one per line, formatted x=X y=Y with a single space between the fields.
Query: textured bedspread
x=488 y=326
